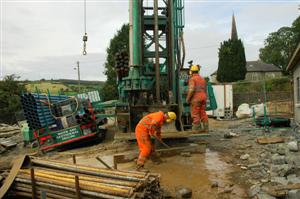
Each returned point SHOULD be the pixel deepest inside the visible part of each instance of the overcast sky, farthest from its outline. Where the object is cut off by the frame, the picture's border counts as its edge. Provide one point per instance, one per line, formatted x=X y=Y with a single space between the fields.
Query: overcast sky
x=43 y=38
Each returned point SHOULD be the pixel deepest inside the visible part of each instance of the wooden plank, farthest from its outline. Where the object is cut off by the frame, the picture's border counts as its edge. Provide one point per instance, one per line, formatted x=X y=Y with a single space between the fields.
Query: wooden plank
x=128 y=157
x=9 y=134
x=270 y=140
x=165 y=135
x=8 y=144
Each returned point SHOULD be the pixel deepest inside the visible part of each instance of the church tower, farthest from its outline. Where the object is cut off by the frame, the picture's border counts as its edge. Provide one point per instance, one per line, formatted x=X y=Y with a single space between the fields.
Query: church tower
x=234 y=34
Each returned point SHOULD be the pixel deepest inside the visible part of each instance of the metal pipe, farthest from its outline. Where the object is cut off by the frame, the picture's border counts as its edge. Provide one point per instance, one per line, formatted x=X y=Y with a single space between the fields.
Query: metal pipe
x=60 y=192
x=130 y=34
x=85 y=185
x=136 y=34
x=25 y=194
x=85 y=192
x=104 y=163
x=89 y=178
x=157 y=65
x=170 y=47
x=39 y=193
x=90 y=170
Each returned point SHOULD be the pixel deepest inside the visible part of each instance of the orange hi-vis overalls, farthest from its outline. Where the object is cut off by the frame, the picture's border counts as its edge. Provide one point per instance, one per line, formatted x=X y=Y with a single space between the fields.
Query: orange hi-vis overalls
x=197 y=98
x=150 y=125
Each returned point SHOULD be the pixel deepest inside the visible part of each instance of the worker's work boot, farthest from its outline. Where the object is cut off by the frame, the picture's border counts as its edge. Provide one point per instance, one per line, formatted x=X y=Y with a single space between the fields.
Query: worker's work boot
x=139 y=167
x=205 y=127
x=197 y=128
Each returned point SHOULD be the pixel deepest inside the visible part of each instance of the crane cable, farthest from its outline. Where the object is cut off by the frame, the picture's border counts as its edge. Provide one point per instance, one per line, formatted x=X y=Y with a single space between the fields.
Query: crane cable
x=85 y=37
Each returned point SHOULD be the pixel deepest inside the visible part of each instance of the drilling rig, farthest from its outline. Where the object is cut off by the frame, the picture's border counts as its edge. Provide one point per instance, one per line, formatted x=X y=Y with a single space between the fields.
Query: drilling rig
x=156 y=79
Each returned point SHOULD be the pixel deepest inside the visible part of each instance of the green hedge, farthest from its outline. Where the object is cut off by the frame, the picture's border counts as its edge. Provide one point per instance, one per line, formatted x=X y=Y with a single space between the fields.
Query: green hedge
x=271 y=85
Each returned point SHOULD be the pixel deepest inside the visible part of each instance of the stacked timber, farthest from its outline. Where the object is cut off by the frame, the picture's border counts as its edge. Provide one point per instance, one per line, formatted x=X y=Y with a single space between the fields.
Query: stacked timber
x=7 y=131
x=64 y=180
x=37 y=109
x=122 y=64
x=9 y=136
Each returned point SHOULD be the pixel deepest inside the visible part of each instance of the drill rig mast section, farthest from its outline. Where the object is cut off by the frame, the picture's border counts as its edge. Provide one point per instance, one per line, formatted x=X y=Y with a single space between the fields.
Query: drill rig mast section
x=154 y=36
x=155 y=30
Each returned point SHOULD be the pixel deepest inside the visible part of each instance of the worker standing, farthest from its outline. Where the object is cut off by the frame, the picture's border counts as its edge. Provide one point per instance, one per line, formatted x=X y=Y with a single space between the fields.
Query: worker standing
x=197 y=99
x=150 y=126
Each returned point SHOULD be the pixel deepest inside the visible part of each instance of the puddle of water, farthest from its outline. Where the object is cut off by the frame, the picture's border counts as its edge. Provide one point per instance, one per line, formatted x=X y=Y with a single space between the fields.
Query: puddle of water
x=197 y=172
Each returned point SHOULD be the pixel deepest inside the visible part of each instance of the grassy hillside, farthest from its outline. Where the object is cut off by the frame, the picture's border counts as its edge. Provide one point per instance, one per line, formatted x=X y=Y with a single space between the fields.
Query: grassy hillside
x=66 y=86
x=44 y=86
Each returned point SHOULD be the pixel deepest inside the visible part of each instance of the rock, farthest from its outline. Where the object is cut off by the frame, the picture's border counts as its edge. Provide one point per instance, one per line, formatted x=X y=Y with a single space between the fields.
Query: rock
x=264 y=196
x=294 y=160
x=183 y=193
x=245 y=157
x=280 y=170
x=278 y=159
x=279 y=180
x=293 y=146
x=254 y=189
x=294 y=194
x=244 y=167
x=2 y=149
x=214 y=185
x=167 y=194
x=256 y=165
x=227 y=136
x=264 y=180
x=293 y=179
x=281 y=149
x=185 y=154
x=228 y=190
x=263 y=155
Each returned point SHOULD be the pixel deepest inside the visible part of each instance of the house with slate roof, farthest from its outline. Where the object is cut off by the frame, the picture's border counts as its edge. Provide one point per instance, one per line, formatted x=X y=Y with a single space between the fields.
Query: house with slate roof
x=256 y=70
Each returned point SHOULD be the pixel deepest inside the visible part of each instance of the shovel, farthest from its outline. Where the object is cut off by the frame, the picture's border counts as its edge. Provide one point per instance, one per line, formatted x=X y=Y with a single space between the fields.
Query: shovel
x=164 y=144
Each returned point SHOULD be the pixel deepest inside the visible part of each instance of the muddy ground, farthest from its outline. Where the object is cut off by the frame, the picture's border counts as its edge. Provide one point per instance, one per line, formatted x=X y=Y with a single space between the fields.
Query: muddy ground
x=221 y=172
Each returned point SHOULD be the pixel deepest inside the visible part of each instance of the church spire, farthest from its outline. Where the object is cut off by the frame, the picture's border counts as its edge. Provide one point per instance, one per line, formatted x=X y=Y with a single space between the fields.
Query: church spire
x=234 y=34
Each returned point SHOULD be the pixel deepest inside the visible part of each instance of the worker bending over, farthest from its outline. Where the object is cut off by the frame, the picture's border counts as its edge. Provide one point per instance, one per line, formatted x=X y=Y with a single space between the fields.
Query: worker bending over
x=197 y=99
x=150 y=126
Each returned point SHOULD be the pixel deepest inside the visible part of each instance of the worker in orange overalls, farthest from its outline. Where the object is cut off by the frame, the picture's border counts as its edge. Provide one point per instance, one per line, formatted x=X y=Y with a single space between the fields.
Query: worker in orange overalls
x=150 y=126
x=197 y=99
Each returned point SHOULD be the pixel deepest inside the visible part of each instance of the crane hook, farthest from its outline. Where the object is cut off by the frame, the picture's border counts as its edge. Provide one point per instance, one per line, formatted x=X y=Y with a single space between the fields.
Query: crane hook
x=84 y=39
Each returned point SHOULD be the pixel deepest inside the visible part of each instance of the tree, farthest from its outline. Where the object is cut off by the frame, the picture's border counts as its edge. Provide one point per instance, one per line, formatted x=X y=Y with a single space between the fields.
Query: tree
x=280 y=45
x=10 y=101
x=232 y=61
x=119 y=42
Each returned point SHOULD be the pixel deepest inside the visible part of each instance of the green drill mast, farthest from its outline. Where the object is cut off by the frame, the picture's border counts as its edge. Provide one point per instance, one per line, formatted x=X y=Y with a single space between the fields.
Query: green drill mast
x=156 y=79
x=155 y=30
